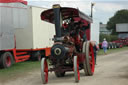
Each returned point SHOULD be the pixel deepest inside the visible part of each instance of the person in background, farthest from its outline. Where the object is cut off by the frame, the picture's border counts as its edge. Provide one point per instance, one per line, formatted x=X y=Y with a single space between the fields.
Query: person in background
x=105 y=45
x=95 y=48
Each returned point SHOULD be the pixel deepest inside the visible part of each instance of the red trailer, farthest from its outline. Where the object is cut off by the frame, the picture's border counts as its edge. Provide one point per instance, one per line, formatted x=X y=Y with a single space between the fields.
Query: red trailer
x=121 y=41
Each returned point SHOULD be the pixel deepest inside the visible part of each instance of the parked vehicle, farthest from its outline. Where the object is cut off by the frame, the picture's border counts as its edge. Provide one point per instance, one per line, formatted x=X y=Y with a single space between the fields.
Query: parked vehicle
x=23 y=35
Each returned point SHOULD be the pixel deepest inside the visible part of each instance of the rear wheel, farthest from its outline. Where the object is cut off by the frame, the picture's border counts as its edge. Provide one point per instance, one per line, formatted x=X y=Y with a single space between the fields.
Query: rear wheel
x=89 y=63
x=84 y=63
x=76 y=69
x=44 y=71
x=6 y=60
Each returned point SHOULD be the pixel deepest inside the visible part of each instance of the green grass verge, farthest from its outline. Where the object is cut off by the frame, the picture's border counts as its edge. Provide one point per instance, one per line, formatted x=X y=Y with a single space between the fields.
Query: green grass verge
x=101 y=52
x=19 y=69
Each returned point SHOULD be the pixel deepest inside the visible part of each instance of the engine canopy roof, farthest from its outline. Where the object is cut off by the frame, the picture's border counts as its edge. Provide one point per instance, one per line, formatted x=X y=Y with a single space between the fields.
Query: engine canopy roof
x=66 y=13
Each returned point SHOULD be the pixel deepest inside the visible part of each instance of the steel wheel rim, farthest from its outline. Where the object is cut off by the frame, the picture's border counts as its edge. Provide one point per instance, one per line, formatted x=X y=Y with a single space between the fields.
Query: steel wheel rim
x=44 y=71
x=78 y=72
x=91 y=58
x=76 y=69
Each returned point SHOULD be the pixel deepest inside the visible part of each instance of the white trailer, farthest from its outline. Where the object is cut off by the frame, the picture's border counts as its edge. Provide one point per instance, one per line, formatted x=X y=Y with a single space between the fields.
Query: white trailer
x=38 y=34
x=23 y=34
x=122 y=30
x=95 y=31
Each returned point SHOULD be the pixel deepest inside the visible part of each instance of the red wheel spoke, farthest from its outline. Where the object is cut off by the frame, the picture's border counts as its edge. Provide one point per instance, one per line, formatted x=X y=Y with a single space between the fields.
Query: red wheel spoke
x=46 y=77
x=8 y=61
x=91 y=63
x=78 y=75
x=78 y=70
x=46 y=68
x=46 y=71
x=91 y=53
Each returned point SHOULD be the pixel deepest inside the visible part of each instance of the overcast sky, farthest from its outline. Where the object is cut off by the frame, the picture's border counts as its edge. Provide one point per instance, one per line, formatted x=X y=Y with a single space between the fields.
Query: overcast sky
x=103 y=9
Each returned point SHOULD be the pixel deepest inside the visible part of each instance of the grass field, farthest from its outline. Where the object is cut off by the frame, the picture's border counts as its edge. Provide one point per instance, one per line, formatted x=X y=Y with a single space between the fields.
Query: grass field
x=18 y=69
x=101 y=52
x=22 y=68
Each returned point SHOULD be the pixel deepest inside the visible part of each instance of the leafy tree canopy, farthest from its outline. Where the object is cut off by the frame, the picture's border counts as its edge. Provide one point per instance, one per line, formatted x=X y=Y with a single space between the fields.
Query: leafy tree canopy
x=120 y=16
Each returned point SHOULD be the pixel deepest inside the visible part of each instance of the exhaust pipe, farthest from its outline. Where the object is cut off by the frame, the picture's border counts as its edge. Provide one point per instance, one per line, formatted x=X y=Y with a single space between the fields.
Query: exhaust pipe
x=57 y=18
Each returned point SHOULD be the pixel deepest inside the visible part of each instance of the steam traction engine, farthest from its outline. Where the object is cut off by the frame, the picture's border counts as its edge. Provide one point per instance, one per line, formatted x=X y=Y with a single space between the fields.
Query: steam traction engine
x=72 y=50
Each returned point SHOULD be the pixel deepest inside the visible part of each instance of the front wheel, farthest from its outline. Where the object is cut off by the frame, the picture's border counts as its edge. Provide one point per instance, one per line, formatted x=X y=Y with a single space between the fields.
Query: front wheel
x=44 y=71
x=76 y=69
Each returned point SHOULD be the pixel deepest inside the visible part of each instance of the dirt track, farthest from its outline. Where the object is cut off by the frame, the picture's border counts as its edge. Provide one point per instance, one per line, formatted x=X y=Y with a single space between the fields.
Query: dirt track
x=112 y=69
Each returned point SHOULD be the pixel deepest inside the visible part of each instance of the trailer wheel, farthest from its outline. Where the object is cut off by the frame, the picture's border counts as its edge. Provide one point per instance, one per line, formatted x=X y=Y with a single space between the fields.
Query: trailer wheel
x=115 y=45
x=89 y=63
x=44 y=71
x=109 y=46
x=6 y=60
x=112 y=46
x=36 y=56
x=59 y=74
x=39 y=57
x=76 y=69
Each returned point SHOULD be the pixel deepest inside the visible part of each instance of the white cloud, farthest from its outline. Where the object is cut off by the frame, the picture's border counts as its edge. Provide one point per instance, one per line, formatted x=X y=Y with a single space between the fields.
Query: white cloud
x=83 y=5
x=108 y=7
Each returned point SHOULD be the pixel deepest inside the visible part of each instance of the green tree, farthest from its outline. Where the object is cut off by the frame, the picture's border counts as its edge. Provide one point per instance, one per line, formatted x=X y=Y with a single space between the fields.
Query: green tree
x=109 y=38
x=120 y=16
